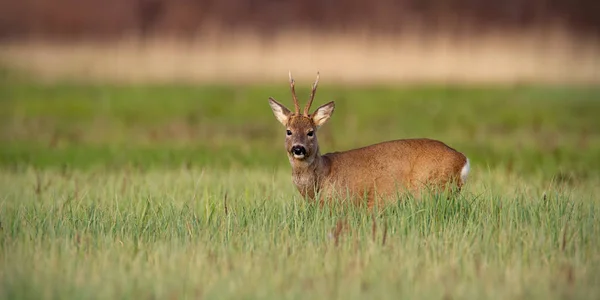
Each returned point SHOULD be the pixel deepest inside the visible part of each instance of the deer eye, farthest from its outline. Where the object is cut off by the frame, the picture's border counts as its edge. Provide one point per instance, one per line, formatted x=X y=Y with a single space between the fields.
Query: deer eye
x=310 y=133
x=288 y=132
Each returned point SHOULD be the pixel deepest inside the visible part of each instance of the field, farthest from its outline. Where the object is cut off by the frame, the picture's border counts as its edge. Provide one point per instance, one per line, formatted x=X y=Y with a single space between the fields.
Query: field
x=179 y=191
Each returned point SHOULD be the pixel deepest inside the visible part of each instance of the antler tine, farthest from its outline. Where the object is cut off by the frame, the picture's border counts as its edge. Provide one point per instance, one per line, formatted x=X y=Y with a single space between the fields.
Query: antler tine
x=312 y=95
x=293 y=89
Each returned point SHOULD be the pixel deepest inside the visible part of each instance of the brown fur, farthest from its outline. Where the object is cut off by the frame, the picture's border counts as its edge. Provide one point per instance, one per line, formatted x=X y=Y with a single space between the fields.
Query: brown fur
x=375 y=173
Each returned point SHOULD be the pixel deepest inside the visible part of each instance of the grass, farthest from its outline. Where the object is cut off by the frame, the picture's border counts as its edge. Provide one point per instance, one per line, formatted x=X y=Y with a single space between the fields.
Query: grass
x=245 y=234
x=118 y=192
x=532 y=129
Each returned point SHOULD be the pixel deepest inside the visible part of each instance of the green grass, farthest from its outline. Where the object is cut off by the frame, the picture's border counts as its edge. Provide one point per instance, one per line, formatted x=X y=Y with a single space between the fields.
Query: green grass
x=184 y=192
x=246 y=234
x=530 y=129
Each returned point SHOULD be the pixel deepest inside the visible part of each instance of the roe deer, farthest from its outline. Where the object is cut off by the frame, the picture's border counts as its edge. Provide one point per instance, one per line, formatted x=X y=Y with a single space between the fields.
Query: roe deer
x=372 y=173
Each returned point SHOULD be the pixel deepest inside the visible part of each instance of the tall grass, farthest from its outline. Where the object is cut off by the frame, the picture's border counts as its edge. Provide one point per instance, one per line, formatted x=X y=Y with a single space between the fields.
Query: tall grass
x=246 y=234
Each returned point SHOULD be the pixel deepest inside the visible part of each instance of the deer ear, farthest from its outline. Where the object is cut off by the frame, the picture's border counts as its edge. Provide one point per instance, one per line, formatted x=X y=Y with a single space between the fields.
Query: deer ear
x=281 y=112
x=323 y=113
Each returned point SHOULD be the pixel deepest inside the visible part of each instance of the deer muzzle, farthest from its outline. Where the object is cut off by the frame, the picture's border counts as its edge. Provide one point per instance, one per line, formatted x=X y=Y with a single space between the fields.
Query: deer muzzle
x=299 y=151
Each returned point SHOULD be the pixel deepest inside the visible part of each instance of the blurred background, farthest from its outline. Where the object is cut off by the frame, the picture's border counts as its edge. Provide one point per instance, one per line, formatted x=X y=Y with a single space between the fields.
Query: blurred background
x=348 y=41
x=512 y=83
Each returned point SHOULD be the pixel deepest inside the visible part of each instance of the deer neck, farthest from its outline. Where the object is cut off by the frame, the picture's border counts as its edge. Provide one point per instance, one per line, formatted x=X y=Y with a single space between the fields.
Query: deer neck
x=308 y=175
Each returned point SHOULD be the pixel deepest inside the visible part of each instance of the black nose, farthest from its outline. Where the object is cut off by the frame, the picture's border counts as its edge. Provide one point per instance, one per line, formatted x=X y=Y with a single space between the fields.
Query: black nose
x=299 y=150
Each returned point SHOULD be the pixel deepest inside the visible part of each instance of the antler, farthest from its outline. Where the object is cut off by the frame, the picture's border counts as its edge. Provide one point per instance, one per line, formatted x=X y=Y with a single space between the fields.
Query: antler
x=312 y=95
x=292 y=88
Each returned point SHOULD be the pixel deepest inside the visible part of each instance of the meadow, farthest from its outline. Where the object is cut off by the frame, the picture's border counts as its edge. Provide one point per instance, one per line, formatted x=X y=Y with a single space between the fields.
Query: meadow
x=113 y=191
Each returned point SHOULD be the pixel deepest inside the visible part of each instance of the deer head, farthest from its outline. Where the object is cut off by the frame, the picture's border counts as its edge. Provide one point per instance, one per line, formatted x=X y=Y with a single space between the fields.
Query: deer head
x=301 y=128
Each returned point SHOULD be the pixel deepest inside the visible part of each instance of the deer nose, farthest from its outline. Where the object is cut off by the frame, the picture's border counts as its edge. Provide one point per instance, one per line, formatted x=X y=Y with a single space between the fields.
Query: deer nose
x=298 y=150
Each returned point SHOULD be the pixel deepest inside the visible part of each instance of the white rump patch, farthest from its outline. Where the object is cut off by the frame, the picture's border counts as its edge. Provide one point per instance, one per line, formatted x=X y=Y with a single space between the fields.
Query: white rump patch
x=465 y=171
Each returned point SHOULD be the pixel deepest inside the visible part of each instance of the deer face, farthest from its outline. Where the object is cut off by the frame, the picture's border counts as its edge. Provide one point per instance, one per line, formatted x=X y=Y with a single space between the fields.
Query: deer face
x=301 y=128
x=300 y=138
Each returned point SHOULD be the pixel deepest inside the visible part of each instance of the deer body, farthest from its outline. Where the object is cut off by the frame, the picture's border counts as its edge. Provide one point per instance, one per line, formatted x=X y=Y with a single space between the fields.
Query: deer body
x=373 y=173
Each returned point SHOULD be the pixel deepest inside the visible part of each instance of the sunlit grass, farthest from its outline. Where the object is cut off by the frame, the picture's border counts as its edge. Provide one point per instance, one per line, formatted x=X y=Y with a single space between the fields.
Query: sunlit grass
x=246 y=233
